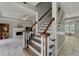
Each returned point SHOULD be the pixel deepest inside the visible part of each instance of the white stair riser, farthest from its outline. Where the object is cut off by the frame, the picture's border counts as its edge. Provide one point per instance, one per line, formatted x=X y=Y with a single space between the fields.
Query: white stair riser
x=37 y=38
x=49 y=31
x=39 y=45
x=34 y=50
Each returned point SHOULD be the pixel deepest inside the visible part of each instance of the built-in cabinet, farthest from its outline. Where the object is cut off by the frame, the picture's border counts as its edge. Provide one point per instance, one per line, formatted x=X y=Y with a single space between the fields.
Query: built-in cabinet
x=4 y=31
x=69 y=28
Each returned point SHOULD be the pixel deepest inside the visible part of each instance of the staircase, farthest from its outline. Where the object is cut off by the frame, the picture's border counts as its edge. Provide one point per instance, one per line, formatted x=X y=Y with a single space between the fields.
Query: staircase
x=34 y=49
x=39 y=46
x=43 y=27
x=42 y=43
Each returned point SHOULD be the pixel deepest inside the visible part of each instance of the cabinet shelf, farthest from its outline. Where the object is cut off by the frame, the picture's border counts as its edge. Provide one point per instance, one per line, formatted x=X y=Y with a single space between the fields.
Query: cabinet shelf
x=4 y=30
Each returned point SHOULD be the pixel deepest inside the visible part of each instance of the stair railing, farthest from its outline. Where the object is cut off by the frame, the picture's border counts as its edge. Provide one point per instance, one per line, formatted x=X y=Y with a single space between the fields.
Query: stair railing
x=44 y=35
x=45 y=31
x=42 y=46
x=46 y=38
x=40 y=18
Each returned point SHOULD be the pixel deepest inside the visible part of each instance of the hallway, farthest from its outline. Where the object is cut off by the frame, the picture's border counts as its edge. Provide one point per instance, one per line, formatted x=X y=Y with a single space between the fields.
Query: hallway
x=71 y=46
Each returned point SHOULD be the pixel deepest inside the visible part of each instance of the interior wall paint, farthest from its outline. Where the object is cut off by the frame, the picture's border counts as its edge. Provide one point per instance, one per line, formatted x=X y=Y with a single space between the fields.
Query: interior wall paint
x=71 y=9
x=42 y=9
x=33 y=3
x=14 y=10
x=60 y=37
x=75 y=20
x=13 y=24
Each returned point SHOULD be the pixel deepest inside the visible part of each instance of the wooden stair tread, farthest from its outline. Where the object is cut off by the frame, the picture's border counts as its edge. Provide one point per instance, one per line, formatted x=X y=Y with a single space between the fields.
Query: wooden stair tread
x=36 y=47
x=29 y=52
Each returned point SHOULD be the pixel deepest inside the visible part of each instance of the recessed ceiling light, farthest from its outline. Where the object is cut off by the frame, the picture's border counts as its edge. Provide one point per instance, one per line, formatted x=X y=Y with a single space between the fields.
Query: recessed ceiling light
x=24 y=18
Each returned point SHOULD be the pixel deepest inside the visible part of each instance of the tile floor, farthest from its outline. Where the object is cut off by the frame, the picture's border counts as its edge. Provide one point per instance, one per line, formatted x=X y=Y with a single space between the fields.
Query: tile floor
x=11 y=47
x=71 y=46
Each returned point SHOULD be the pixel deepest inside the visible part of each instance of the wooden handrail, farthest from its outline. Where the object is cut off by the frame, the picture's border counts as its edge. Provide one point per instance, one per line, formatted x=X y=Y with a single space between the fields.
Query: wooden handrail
x=34 y=24
x=40 y=19
x=45 y=31
x=44 y=14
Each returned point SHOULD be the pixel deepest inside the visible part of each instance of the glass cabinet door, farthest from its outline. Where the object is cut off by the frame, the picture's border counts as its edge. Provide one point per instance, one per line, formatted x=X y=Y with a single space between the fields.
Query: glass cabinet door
x=70 y=27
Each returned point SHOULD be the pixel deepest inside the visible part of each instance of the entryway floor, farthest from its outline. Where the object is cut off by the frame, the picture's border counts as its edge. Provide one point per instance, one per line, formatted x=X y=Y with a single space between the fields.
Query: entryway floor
x=71 y=46
x=11 y=47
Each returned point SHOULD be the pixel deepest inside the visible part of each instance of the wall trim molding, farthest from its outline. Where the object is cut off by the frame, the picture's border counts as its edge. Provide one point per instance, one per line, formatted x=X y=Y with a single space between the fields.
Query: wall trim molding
x=70 y=17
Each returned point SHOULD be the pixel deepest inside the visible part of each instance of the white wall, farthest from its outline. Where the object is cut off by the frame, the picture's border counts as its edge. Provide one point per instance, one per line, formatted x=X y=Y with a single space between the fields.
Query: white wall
x=13 y=24
x=12 y=13
x=42 y=9
x=14 y=10
x=70 y=8
x=77 y=28
x=74 y=20
x=44 y=20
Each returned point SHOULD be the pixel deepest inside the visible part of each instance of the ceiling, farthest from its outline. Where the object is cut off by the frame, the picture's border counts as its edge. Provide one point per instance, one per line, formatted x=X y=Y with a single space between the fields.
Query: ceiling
x=16 y=11
x=33 y=3
x=70 y=8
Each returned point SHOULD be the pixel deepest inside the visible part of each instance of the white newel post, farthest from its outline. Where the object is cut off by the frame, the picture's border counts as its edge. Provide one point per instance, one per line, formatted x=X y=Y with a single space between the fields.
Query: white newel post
x=42 y=49
x=44 y=45
x=54 y=27
x=24 y=40
x=48 y=46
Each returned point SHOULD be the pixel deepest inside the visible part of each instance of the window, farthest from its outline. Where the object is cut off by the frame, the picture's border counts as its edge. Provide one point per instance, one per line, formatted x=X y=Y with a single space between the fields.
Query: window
x=69 y=27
